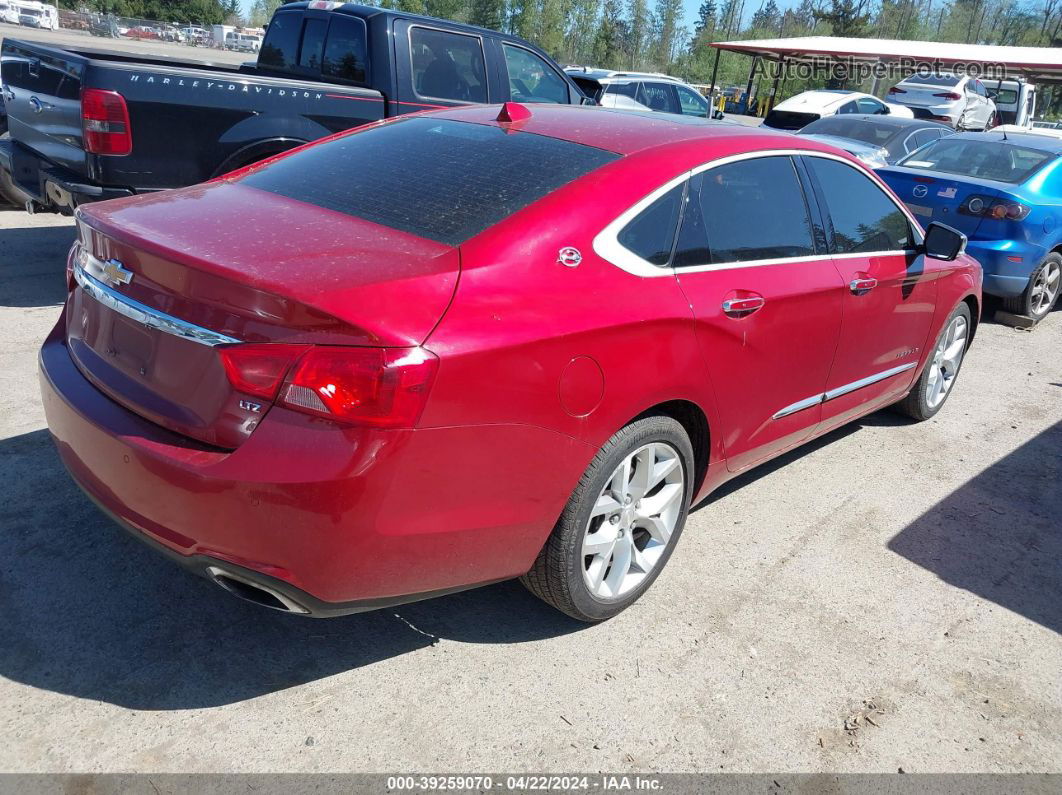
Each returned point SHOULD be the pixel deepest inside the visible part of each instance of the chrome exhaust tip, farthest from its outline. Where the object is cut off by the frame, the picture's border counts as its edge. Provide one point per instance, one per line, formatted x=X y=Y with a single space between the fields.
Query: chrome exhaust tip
x=250 y=591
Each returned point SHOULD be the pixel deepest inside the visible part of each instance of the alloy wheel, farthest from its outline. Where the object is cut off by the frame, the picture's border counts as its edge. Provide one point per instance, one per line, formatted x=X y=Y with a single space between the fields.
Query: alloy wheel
x=947 y=358
x=1045 y=288
x=633 y=520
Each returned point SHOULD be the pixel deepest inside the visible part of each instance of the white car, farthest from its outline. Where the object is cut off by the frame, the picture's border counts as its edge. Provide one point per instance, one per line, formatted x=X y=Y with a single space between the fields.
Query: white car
x=8 y=13
x=796 y=112
x=639 y=91
x=958 y=100
x=1049 y=132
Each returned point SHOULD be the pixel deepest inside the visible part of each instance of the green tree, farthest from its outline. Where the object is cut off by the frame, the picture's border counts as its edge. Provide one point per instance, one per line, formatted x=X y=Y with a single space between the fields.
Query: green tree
x=487 y=13
x=637 y=32
x=668 y=17
x=608 y=41
x=847 y=18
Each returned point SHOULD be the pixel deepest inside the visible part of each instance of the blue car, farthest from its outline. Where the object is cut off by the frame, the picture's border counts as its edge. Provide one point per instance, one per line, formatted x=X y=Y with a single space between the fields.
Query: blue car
x=1004 y=192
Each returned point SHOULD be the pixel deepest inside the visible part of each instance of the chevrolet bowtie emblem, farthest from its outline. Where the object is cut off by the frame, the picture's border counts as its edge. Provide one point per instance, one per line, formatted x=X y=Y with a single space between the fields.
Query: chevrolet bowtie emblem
x=115 y=273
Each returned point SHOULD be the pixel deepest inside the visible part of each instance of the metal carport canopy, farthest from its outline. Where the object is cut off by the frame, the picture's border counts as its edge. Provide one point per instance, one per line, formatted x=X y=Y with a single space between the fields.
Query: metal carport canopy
x=1033 y=63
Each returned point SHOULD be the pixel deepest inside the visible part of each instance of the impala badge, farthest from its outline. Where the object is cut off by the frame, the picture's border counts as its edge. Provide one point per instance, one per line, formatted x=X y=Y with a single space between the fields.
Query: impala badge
x=115 y=273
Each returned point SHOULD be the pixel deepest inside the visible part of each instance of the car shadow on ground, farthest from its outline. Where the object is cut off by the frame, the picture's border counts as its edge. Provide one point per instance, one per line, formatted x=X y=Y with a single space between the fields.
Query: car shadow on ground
x=999 y=536
x=33 y=259
x=91 y=612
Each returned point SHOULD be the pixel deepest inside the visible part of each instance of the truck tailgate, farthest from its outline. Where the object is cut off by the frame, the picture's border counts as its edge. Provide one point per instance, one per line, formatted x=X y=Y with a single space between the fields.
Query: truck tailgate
x=43 y=88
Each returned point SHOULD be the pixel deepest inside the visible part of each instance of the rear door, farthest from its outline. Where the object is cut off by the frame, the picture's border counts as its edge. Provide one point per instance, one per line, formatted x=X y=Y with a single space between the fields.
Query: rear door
x=766 y=298
x=531 y=79
x=438 y=68
x=888 y=291
x=658 y=96
x=43 y=100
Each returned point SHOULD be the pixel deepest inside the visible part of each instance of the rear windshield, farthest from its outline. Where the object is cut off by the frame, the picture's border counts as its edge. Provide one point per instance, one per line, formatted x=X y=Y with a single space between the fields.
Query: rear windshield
x=788 y=120
x=864 y=130
x=443 y=180
x=993 y=160
x=933 y=80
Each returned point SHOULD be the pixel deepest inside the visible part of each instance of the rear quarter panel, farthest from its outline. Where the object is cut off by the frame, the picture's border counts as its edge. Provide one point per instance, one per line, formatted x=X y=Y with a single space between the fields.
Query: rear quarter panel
x=577 y=350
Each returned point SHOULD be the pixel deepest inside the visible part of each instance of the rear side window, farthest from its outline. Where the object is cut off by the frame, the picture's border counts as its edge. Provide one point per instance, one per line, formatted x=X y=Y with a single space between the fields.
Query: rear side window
x=750 y=210
x=864 y=218
x=447 y=65
x=442 y=180
x=651 y=233
x=280 y=48
x=659 y=97
x=313 y=37
x=345 y=55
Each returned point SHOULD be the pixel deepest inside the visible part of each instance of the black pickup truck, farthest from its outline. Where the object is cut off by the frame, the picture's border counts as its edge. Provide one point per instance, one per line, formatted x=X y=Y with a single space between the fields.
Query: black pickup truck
x=87 y=125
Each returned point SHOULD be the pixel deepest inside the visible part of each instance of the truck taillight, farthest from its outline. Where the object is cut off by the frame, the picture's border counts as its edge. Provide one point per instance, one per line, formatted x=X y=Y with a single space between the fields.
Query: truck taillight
x=105 y=122
x=379 y=387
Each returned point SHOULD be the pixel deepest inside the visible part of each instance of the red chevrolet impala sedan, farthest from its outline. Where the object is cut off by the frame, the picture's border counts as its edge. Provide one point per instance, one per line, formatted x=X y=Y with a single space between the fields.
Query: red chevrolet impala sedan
x=474 y=345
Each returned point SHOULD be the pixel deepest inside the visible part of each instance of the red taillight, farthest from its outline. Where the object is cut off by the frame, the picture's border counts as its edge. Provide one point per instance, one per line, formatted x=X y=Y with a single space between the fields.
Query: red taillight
x=259 y=369
x=895 y=90
x=105 y=122
x=382 y=387
x=948 y=95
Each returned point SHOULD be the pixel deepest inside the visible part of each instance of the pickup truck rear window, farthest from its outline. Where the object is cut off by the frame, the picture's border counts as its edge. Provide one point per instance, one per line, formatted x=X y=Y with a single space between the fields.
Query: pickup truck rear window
x=438 y=179
x=334 y=47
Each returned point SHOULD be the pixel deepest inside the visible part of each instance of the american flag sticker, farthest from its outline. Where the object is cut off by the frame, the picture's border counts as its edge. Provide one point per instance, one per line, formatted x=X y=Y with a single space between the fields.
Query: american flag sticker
x=947 y=193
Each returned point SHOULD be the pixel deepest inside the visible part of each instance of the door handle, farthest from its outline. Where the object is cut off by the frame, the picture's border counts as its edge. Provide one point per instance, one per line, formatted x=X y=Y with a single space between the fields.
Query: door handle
x=743 y=306
x=862 y=286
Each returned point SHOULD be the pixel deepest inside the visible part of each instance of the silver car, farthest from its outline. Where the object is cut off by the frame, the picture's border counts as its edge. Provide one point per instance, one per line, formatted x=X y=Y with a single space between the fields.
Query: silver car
x=639 y=91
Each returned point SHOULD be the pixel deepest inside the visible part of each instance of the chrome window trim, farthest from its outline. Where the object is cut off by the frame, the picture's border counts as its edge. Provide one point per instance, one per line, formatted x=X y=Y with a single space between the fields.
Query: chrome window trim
x=846 y=389
x=146 y=315
x=607 y=246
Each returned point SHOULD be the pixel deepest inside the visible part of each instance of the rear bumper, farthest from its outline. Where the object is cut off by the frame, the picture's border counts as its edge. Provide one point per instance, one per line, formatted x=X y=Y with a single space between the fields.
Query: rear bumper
x=51 y=188
x=336 y=519
x=942 y=113
x=1004 y=276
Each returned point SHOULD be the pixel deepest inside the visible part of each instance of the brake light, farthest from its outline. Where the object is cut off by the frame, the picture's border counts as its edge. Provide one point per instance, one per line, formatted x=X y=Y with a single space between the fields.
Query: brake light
x=105 y=122
x=259 y=369
x=996 y=209
x=381 y=387
x=948 y=95
x=895 y=90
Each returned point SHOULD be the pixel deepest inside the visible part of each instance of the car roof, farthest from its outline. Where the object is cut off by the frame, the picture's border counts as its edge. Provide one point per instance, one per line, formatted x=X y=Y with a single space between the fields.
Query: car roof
x=628 y=132
x=888 y=121
x=604 y=76
x=1044 y=143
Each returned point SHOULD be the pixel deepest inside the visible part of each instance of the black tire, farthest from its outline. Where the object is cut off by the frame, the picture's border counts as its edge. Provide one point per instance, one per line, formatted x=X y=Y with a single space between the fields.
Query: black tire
x=1024 y=304
x=916 y=405
x=557 y=575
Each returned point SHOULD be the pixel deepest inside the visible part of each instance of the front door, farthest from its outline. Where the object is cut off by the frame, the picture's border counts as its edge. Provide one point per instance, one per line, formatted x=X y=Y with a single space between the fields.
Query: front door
x=766 y=300
x=888 y=291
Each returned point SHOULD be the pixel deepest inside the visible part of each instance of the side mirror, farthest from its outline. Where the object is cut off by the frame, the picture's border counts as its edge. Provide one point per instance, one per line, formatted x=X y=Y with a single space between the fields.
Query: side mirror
x=943 y=242
x=585 y=100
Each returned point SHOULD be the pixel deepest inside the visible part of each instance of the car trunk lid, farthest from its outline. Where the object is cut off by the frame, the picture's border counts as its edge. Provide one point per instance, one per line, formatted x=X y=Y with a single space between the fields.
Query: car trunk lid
x=935 y=196
x=167 y=280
